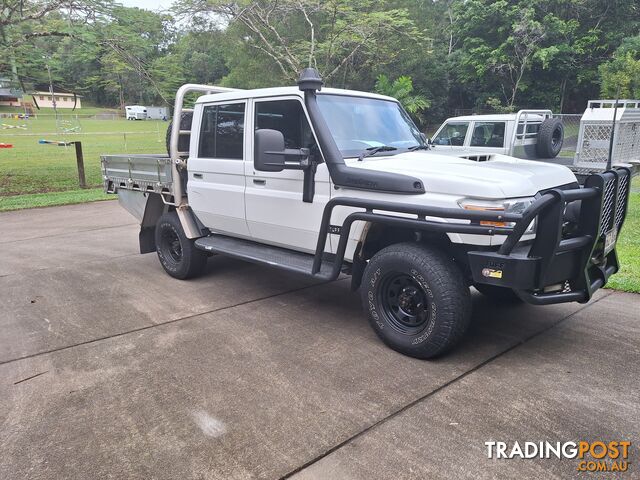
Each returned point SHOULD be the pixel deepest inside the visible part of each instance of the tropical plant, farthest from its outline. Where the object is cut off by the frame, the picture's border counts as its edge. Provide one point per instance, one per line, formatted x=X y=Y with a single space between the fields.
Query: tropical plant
x=402 y=89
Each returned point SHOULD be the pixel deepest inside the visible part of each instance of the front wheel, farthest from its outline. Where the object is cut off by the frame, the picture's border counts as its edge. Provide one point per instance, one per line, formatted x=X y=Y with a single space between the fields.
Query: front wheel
x=177 y=254
x=416 y=299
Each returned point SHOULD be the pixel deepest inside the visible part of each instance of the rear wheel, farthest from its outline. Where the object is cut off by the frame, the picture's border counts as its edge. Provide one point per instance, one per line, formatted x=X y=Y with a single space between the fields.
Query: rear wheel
x=177 y=254
x=416 y=299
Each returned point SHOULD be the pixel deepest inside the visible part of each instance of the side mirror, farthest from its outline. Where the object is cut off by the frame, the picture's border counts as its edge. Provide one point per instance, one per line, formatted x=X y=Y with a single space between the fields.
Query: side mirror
x=424 y=138
x=271 y=156
x=268 y=150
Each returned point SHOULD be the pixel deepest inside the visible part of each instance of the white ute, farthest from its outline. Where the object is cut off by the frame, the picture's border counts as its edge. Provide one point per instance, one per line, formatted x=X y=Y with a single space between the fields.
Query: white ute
x=528 y=134
x=325 y=182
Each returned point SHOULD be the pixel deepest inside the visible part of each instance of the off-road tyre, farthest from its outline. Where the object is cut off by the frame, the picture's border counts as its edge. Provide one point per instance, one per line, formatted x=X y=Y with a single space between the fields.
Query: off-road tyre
x=550 y=138
x=177 y=254
x=416 y=299
x=498 y=294
x=183 y=142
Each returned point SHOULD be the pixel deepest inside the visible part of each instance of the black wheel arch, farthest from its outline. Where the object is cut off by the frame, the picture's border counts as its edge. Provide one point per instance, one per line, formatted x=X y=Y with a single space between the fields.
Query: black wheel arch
x=376 y=236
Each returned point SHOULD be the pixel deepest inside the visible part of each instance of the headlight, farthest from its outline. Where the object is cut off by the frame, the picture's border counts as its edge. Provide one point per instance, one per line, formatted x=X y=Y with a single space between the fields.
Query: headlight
x=514 y=205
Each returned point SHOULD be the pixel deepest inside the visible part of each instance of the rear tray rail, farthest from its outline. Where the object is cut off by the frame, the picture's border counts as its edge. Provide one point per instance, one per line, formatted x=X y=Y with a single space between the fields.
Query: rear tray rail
x=143 y=173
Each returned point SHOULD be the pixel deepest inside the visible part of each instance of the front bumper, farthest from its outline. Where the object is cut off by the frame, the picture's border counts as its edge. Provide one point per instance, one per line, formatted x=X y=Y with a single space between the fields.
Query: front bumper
x=559 y=266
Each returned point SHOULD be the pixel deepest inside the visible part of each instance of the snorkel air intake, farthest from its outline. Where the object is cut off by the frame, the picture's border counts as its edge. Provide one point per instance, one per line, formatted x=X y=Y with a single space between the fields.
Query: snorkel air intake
x=342 y=175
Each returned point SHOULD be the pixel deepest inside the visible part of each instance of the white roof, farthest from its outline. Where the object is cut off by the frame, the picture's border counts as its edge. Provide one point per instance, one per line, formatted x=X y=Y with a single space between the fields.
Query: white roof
x=280 y=91
x=497 y=117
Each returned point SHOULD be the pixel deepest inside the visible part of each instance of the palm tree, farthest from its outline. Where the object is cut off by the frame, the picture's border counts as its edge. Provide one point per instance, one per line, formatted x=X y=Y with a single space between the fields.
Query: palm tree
x=402 y=88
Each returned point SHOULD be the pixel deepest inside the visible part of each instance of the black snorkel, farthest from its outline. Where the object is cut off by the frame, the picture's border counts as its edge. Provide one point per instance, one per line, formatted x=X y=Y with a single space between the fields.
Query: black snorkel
x=342 y=175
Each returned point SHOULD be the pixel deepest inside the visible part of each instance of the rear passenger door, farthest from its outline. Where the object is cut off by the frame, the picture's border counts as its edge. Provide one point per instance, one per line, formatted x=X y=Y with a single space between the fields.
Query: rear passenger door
x=216 y=167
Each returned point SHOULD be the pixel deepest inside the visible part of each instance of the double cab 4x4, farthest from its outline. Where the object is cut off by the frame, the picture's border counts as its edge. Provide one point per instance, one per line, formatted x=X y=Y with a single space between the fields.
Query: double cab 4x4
x=325 y=182
x=528 y=134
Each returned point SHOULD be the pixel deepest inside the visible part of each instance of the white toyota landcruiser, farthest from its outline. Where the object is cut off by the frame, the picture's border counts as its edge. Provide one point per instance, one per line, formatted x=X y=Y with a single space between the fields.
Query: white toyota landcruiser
x=527 y=134
x=326 y=182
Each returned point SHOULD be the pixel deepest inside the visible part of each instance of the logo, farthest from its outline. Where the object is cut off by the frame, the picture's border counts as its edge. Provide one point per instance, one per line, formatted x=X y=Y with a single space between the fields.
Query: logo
x=597 y=456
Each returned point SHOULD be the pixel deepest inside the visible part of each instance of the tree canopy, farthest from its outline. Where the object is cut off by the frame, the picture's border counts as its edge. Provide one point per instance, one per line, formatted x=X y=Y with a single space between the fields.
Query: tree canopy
x=443 y=56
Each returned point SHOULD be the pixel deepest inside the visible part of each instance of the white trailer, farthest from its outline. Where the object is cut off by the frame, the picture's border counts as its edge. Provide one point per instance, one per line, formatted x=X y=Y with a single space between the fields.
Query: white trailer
x=157 y=113
x=136 y=112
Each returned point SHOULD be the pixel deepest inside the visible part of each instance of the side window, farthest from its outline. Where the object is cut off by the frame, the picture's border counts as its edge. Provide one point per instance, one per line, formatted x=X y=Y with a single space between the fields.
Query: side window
x=452 y=134
x=488 y=134
x=222 y=132
x=286 y=116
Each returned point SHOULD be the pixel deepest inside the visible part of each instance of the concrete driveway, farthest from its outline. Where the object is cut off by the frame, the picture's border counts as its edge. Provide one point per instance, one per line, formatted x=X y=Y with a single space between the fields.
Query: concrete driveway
x=111 y=369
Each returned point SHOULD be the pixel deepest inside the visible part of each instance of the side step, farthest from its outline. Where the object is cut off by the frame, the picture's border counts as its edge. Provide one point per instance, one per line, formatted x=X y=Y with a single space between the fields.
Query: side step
x=265 y=255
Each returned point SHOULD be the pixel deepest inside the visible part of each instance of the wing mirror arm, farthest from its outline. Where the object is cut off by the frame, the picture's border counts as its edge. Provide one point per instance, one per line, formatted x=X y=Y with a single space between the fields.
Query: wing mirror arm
x=306 y=164
x=309 y=186
x=301 y=163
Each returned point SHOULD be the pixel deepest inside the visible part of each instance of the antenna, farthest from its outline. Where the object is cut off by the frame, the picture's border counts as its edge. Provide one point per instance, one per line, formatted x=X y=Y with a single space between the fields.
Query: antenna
x=613 y=129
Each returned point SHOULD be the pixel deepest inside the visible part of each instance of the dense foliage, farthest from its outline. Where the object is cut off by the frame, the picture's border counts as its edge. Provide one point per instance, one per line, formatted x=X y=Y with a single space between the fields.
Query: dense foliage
x=455 y=55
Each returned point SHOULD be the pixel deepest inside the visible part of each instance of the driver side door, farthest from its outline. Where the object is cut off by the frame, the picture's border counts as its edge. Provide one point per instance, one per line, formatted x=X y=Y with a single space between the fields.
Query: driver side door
x=275 y=212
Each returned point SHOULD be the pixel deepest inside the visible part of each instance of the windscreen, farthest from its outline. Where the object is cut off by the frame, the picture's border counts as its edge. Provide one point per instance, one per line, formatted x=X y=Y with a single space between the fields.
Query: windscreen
x=360 y=123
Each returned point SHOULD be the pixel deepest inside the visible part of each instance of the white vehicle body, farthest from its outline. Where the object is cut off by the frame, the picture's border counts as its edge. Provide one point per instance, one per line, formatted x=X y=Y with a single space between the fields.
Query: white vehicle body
x=232 y=198
x=325 y=181
x=135 y=112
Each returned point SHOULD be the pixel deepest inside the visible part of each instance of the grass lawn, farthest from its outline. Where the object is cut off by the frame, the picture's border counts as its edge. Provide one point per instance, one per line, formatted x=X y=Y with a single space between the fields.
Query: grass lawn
x=33 y=175
x=31 y=200
x=628 y=278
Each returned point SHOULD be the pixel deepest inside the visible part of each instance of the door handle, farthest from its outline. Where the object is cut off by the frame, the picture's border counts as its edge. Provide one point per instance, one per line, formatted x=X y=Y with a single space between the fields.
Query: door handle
x=197 y=175
x=259 y=181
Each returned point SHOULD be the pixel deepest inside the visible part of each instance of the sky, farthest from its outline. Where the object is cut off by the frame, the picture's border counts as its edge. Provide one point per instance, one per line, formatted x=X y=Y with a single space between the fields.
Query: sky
x=147 y=4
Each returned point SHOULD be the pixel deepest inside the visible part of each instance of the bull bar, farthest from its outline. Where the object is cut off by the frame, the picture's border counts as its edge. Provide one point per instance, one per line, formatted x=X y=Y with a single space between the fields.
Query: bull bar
x=576 y=263
x=556 y=266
